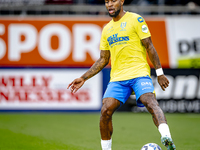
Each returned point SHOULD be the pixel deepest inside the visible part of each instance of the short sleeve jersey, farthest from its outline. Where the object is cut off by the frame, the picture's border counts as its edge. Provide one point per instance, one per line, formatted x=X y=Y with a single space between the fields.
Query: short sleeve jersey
x=123 y=39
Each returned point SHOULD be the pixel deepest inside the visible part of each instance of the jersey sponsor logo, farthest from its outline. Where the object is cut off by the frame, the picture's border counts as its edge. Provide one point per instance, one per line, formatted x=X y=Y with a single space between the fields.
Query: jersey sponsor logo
x=123 y=25
x=115 y=39
x=140 y=19
x=145 y=28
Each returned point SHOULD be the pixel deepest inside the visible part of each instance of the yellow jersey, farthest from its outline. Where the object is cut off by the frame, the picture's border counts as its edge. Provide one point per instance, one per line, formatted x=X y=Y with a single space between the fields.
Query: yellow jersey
x=123 y=39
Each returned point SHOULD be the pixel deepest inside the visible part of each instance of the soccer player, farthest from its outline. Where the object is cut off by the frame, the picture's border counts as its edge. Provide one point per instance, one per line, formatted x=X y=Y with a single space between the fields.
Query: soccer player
x=126 y=39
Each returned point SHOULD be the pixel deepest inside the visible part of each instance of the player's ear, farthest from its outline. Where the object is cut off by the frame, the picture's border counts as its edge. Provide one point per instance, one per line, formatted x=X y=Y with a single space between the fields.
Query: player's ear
x=122 y=2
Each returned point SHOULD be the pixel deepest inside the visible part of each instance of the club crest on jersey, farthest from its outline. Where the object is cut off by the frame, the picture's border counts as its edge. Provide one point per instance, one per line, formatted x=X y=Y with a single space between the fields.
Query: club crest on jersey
x=140 y=19
x=123 y=25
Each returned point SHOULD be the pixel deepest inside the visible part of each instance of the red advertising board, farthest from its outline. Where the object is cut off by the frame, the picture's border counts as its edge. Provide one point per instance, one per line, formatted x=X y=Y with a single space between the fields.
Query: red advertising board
x=64 y=41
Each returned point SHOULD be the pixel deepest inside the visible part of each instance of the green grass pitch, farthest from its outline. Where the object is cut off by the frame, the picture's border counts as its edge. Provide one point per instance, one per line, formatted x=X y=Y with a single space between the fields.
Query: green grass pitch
x=80 y=131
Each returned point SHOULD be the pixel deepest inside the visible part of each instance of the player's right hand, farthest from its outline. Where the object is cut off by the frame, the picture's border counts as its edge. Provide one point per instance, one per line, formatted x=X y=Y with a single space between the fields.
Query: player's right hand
x=163 y=82
x=76 y=84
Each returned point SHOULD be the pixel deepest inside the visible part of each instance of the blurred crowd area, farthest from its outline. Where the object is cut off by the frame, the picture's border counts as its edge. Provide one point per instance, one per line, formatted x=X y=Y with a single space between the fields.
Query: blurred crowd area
x=101 y=2
x=83 y=7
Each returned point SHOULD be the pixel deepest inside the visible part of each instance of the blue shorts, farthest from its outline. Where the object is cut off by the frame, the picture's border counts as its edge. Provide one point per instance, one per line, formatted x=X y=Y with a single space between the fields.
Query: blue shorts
x=121 y=90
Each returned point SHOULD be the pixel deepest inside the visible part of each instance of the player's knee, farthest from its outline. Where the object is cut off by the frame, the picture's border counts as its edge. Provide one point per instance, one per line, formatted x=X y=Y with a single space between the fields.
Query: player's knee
x=152 y=104
x=106 y=113
x=149 y=100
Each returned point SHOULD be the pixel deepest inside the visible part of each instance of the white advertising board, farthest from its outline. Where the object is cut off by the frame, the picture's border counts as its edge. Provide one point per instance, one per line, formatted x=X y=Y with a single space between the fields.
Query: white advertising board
x=184 y=41
x=46 y=89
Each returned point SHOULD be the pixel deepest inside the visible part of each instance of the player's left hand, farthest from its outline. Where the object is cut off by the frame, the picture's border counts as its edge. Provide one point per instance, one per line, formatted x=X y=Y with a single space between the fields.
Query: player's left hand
x=163 y=82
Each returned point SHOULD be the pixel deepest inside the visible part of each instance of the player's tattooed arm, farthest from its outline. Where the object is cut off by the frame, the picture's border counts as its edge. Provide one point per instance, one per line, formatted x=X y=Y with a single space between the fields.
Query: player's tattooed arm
x=96 y=68
x=152 y=53
x=98 y=65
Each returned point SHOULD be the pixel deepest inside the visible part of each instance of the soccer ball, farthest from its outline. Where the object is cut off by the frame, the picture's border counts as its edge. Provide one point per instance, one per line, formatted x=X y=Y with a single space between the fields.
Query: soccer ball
x=151 y=146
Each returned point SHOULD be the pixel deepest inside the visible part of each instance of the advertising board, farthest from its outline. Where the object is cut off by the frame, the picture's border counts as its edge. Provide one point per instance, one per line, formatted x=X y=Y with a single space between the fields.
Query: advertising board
x=51 y=52
x=64 y=41
x=184 y=42
x=46 y=89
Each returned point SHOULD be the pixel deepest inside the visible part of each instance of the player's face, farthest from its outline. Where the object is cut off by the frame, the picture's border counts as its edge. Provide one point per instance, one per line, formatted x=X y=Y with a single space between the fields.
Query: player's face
x=113 y=7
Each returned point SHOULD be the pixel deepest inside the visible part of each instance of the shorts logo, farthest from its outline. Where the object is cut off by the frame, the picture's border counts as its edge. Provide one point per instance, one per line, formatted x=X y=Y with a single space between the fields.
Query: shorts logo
x=145 y=28
x=140 y=19
x=146 y=88
x=146 y=83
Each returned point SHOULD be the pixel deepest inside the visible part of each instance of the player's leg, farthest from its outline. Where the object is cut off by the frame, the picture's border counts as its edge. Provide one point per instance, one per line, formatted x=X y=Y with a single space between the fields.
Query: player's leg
x=143 y=88
x=106 y=128
x=109 y=106
x=144 y=91
x=149 y=100
x=115 y=95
